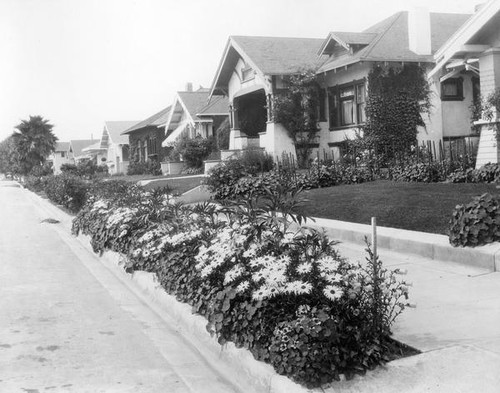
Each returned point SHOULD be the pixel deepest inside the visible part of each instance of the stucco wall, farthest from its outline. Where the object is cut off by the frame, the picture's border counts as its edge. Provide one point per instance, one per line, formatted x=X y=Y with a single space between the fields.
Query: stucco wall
x=236 y=84
x=456 y=114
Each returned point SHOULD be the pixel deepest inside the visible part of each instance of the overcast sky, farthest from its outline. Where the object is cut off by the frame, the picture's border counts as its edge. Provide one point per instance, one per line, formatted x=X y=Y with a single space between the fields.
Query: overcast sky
x=78 y=63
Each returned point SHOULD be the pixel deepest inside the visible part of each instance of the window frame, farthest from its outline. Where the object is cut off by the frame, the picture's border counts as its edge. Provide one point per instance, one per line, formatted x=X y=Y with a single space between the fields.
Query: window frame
x=336 y=113
x=458 y=83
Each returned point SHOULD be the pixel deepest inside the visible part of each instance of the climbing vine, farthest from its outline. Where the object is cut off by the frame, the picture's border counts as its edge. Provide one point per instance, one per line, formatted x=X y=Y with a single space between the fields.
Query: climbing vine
x=297 y=110
x=397 y=99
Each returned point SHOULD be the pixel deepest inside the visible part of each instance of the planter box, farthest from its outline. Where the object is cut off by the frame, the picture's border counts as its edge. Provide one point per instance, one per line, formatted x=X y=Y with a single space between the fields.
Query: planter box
x=172 y=167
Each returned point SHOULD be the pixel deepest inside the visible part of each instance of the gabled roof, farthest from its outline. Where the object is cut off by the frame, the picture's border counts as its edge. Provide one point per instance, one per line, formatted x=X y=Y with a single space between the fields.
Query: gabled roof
x=62 y=146
x=157 y=120
x=218 y=105
x=115 y=129
x=268 y=56
x=345 y=39
x=470 y=40
x=77 y=145
x=391 y=42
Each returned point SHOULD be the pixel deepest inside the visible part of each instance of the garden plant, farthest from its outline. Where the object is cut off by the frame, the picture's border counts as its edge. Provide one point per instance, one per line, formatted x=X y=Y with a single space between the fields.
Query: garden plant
x=261 y=279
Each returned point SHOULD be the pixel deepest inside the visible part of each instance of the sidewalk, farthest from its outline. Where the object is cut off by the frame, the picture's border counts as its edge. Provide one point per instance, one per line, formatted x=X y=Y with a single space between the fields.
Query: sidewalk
x=69 y=325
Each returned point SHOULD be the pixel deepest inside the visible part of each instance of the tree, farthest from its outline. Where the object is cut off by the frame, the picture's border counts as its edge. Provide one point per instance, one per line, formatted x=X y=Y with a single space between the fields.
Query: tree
x=34 y=142
x=8 y=156
x=296 y=109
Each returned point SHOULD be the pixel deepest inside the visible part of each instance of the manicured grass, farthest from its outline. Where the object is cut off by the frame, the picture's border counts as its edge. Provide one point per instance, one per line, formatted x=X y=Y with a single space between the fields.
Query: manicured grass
x=179 y=186
x=414 y=206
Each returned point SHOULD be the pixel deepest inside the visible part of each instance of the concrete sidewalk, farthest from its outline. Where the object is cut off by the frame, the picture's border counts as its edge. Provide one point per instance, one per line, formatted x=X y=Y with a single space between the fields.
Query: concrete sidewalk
x=69 y=325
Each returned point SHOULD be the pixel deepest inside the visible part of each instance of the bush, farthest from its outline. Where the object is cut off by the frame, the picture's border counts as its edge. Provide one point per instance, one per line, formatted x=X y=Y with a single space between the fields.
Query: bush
x=283 y=293
x=488 y=173
x=423 y=172
x=195 y=151
x=256 y=161
x=222 y=179
x=36 y=183
x=87 y=169
x=67 y=190
x=476 y=223
x=149 y=167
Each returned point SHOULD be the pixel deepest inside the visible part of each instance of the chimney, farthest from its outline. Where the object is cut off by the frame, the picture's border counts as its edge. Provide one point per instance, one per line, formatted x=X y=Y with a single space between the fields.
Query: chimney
x=419 y=31
x=189 y=86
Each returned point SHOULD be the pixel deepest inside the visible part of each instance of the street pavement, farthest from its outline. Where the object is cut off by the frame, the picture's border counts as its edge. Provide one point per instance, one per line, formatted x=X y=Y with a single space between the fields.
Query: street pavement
x=69 y=325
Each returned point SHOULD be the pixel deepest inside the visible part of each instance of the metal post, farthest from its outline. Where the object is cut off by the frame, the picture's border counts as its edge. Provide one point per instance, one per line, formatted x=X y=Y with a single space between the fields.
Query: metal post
x=374 y=239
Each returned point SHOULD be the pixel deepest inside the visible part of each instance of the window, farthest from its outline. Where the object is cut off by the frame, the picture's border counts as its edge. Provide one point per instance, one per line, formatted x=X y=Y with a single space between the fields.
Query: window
x=247 y=73
x=63 y=154
x=347 y=105
x=452 y=89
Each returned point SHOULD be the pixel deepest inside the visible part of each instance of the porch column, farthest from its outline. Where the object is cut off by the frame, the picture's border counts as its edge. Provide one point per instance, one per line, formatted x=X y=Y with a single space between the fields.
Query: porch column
x=269 y=105
x=489 y=142
x=235 y=128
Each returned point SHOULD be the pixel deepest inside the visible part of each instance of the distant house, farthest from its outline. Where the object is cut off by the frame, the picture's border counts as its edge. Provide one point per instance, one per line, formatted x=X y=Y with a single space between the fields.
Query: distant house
x=468 y=67
x=76 y=147
x=253 y=69
x=61 y=155
x=116 y=145
x=193 y=114
x=145 y=137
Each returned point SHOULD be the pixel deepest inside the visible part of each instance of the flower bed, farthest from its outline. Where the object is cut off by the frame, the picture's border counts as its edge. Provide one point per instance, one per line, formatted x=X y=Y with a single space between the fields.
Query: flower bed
x=285 y=295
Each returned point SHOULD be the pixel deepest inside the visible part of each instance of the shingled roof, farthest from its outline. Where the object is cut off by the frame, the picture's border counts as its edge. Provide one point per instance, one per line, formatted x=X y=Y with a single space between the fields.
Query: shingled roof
x=391 y=42
x=157 y=120
x=115 y=130
x=269 y=56
x=77 y=145
x=62 y=146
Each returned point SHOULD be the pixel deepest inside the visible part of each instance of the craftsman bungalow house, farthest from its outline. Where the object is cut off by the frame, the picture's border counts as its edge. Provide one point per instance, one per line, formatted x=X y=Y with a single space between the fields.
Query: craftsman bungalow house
x=473 y=54
x=252 y=70
x=146 y=137
x=193 y=114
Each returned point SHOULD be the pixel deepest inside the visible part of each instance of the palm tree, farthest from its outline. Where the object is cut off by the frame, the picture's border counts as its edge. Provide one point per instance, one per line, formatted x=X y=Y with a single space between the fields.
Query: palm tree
x=34 y=141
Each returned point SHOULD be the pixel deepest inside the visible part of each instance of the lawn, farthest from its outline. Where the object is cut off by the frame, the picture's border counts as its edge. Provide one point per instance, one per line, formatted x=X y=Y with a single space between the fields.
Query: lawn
x=179 y=186
x=414 y=206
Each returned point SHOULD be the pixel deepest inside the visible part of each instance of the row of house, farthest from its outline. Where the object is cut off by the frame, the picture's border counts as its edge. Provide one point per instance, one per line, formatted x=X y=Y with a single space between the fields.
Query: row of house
x=459 y=52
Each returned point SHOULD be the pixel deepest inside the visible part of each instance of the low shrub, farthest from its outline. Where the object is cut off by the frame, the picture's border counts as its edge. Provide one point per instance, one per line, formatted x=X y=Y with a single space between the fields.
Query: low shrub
x=477 y=222
x=67 y=190
x=195 y=150
x=488 y=173
x=87 y=169
x=422 y=172
x=35 y=183
x=222 y=179
x=149 y=167
x=281 y=291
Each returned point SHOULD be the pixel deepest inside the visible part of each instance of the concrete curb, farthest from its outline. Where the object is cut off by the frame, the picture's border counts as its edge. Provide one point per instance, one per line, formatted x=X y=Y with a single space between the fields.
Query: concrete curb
x=427 y=245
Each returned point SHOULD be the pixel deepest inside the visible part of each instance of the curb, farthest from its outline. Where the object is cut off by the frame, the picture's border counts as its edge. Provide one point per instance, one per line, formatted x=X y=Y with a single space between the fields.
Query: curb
x=427 y=245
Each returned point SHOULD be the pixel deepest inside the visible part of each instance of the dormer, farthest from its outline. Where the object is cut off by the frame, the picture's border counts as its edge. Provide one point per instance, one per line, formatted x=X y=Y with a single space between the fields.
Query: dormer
x=340 y=42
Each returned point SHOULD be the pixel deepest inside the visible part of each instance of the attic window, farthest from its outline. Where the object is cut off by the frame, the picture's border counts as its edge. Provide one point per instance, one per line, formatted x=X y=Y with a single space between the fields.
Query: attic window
x=247 y=73
x=452 y=89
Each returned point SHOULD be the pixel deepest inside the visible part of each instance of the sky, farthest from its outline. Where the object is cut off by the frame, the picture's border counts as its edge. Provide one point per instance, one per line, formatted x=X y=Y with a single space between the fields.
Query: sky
x=79 y=63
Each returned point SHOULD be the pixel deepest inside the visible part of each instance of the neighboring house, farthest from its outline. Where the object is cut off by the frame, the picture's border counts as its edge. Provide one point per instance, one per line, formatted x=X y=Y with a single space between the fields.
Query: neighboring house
x=404 y=38
x=251 y=71
x=76 y=147
x=472 y=54
x=60 y=156
x=194 y=114
x=145 y=137
x=116 y=145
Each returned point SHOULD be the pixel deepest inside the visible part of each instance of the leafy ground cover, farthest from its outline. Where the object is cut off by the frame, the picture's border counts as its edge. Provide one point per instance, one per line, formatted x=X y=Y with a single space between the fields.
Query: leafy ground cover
x=425 y=207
